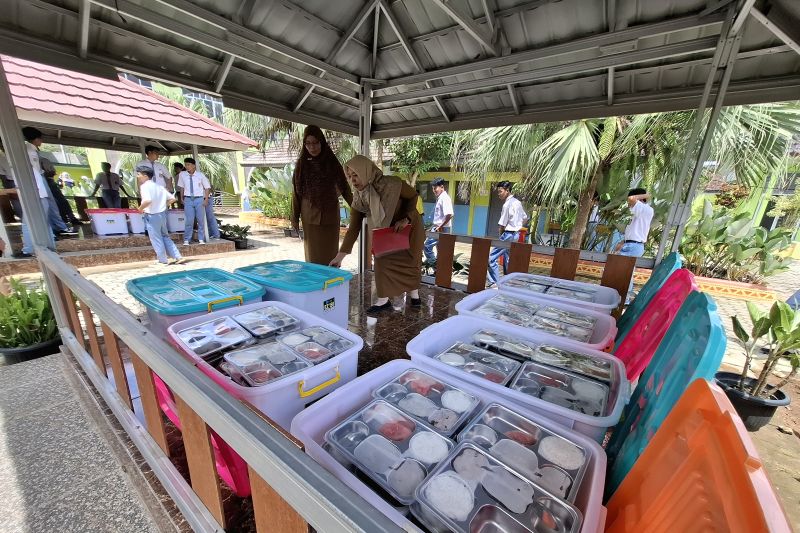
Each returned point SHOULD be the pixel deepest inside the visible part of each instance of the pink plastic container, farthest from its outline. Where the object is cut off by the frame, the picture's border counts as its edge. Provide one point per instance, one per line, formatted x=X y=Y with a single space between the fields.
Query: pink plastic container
x=312 y=423
x=640 y=344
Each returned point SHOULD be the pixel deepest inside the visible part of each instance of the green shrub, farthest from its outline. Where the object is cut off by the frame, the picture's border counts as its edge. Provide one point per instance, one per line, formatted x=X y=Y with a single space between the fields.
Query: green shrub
x=26 y=317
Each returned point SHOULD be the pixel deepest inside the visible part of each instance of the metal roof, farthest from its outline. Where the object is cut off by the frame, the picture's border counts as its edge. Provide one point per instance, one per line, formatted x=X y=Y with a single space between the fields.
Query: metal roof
x=78 y=109
x=435 y=65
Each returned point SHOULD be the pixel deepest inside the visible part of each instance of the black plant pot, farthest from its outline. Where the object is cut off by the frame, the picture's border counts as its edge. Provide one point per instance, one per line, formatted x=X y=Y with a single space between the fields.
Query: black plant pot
x=755 y=412
x=240 y=244
x=10 y=356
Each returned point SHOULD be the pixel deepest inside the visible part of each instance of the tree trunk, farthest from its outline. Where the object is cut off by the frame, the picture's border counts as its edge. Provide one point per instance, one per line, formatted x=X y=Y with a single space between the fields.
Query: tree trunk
x=585 y=208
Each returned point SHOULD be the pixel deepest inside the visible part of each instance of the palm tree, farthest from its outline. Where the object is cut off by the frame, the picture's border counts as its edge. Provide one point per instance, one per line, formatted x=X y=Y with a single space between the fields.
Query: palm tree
x=567 y=162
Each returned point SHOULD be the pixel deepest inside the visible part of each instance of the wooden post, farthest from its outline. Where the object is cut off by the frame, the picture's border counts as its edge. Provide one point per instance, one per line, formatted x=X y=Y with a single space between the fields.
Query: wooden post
x=147 y=394
x=272 y=512
x=117 y=365
x=445 y=251
x=520 y=258
x=72 y=313
x=617 y=274
x=565 y=263
x=478 y=263
x=200 y=457
x=94 y=341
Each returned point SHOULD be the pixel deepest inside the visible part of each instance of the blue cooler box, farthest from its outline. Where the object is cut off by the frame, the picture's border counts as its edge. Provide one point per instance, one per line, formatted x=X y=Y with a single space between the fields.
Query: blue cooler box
x=177 y=296
x=320 y=290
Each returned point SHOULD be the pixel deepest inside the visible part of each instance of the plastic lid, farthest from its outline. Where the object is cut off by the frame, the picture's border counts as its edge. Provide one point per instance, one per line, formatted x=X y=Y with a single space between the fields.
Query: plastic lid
x=116 y=211
x=295 y=276
x=193 y=291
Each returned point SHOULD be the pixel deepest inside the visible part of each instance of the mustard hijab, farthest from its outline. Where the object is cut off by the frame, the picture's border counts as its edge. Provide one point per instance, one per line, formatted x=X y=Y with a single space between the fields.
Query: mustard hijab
x=378 y=200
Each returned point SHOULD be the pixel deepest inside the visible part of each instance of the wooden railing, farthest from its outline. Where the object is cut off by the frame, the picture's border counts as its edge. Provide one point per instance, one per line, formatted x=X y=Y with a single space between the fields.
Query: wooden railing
x=290 y=491
x=617 y=269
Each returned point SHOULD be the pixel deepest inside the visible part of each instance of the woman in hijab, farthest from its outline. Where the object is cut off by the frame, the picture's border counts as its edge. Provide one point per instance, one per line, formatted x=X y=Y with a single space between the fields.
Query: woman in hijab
x=385 y=201
x=318 y=181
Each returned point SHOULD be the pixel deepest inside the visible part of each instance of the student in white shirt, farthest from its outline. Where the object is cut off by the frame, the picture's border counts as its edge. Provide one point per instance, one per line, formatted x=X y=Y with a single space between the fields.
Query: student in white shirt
x=512 y=220
x=160 y=173
x=194 y=186
x=636 y=232
x=442 y=217
x=34 y=138
x=111 y=184
x=155 y=200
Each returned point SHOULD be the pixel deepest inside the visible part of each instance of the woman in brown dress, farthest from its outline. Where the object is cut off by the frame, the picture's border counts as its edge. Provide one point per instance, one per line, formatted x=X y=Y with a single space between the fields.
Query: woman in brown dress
x=318 y=181
x=385 y=201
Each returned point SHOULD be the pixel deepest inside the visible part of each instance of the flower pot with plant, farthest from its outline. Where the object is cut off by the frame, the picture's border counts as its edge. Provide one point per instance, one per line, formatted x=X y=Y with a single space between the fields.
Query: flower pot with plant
x=755 y=399
x=28 y=326
x=237 y=234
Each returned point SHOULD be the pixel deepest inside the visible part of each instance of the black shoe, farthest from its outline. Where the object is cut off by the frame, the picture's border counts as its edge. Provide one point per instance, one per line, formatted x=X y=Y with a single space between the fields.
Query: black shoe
x=21 y=255
x=68 y=233
x=416 y=302
x=379 y=308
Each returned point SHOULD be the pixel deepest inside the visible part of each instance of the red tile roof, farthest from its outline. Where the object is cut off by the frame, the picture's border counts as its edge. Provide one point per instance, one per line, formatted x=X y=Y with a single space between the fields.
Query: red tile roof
x=50 y=95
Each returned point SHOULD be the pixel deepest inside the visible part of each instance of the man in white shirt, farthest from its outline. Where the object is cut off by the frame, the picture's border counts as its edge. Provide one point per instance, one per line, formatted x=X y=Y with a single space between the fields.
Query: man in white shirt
x=636 y=232
x=194 y=186
x=160 y=173
x=155 y=200
x=442 y=217
x=512 y=220
x=111 y=184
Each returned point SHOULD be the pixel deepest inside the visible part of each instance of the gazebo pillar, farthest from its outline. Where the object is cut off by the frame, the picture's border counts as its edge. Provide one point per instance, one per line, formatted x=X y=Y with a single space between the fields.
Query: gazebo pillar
x=364 y=133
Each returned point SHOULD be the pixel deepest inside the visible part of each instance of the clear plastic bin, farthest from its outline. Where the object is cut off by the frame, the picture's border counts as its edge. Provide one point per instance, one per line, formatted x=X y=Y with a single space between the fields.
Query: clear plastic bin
x=437 y=337
x=603 y=299
x=311 y=425
x=176 y=221
x=108 y=221
x=283 y=398
x=135 y=221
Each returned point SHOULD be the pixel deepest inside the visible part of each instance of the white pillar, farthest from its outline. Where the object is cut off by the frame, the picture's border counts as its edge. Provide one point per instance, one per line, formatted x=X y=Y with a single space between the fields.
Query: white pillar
x=364 y=131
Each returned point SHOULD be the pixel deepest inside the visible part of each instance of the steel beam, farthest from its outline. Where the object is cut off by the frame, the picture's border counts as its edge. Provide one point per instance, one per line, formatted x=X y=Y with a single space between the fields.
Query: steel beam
x=611 y=15
x=364 y=137
x=741 y=16
x=784 y=31
x=209 y=17
x=166 y=24
x=512 y=94
x=83 y=36
x=224 y=69
x=610 y=86
x=375 y=34
x=625 y=58
x=572 y=47
x=469 y=25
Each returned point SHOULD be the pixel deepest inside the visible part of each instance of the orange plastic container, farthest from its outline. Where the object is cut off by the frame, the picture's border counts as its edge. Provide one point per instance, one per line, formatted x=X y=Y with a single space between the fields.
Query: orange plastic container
x=700 y=472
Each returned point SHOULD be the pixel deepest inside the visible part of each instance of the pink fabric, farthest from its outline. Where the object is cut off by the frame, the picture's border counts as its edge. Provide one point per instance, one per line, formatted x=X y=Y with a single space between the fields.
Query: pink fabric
x=230 y=466
x=641 y=343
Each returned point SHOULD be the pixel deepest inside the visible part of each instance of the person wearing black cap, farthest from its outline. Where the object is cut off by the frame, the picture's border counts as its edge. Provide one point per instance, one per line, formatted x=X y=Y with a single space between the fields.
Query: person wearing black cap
x=512 y=219
x=636 y=232
x=442 y=217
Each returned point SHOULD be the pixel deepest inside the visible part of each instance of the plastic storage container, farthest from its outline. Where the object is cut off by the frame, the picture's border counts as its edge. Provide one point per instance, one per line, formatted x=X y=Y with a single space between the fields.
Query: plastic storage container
x=176 y=221
x=438 y=337
x=176 y=296
x=135 y=221
x=700 y=472
x=598 y=335
x=108 y=221
x=321 y=290
x=311 y=425
x=281 y=399
x=576 y=293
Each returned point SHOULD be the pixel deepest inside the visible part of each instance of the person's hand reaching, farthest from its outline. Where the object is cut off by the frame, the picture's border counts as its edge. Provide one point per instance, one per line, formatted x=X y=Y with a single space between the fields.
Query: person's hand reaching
x=400 y=224
x=337 y=261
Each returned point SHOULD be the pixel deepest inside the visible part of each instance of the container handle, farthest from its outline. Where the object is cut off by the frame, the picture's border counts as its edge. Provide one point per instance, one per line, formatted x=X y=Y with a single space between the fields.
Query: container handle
x=225 y=300
x=306 y=393
x=333 y=281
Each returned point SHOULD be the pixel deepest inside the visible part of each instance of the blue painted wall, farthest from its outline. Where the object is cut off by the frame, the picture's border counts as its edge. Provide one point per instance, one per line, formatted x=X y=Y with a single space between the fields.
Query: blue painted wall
x=479 y=219
x=461 y=222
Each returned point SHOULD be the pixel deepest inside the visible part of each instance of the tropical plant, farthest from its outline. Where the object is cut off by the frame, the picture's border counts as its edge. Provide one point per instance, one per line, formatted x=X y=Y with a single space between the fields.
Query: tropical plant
x=781 y=329
x=271 y=191
x=720 y=244
x=26 y=316
x=787 y=207
x=731 y=195
x=421 y=153
x=234 y=232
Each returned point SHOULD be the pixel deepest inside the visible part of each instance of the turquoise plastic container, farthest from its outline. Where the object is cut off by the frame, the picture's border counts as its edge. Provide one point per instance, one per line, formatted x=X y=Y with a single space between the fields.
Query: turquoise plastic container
x=320 y=290
x=691 y=349
x=177 y=296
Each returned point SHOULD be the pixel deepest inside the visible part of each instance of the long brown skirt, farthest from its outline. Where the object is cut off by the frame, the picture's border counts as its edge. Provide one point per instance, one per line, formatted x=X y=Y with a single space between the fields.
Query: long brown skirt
x=402 y=271
x=321 y=242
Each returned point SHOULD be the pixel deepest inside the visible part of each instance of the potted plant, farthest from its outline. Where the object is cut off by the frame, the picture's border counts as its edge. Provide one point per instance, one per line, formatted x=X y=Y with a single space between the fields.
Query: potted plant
x=754 y=398
x=28 y=326
x=235 y=233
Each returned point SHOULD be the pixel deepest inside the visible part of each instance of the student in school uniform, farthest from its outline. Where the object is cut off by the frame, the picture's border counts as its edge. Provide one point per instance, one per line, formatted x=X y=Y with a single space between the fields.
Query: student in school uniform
x=155 y=200
x=194 y=187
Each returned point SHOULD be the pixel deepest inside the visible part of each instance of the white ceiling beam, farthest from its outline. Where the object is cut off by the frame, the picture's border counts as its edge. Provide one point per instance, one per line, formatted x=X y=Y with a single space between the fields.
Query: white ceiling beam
x=491 y=21
x=224 y=69
x=338 y=47
x=738 y=22
x=241 y=51
x=209 y=17
x=624 y=58
x=512 y=94
x=469 y=25
x=376 y=25
x=611 y=15
x=780 y=28
x=587 y=43
x=395 y=25
x=83 y=37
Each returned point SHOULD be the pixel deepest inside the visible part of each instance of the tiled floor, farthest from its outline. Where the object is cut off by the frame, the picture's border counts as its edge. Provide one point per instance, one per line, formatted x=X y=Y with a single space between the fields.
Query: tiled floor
x=56 y=472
